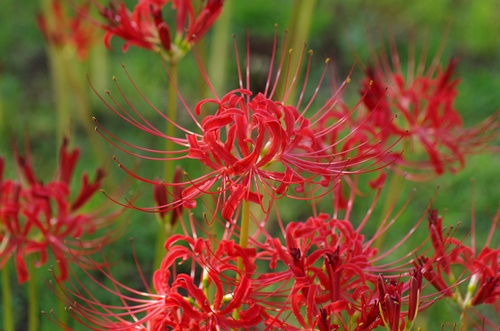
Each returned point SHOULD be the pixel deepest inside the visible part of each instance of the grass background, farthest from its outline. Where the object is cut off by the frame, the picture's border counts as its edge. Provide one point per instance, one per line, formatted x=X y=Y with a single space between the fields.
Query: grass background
x=339 y=30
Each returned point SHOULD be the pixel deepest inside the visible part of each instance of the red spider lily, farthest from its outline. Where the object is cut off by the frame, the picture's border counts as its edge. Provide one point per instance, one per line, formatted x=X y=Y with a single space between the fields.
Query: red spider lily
x=60 y=30
x=144 y=26
x=254 y=145
x=481 y=269
x=328 y=269
x=38 y=219
x=195 y=288
x=384 y=307
x=435 y=138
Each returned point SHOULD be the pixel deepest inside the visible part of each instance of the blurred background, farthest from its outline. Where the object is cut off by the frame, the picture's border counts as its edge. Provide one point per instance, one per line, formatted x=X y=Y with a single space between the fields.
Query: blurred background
x=344 y=31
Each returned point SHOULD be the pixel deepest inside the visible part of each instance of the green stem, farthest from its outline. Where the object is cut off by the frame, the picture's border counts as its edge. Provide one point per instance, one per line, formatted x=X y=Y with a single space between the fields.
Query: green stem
x=165 y=226
x=219 y=48
x=33 y=308
x=63 y=315
x=8 y=311
x=395 y=184
x=164 y=232
x=62 y=100
x=78 y=89
x=244 y=228
x=2 y=111
x=299 y=26
x=172 y=115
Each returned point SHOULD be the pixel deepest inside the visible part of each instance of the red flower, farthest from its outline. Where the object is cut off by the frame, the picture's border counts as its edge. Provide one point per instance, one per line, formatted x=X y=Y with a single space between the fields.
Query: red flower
x=453 y=256
x=328 y=264
x=144 y=26
x=38 y=219
x=434 y=137
x=60 y=30
x=183 y=299
x=254 y=145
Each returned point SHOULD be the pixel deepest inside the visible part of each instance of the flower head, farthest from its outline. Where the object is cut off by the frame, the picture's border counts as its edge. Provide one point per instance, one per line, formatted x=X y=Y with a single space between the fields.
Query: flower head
x=423 y=99
x=254 y=145
x=454 y=261
x=38 y=219
x=144 y=26
x=60 y=30
x=182 y=298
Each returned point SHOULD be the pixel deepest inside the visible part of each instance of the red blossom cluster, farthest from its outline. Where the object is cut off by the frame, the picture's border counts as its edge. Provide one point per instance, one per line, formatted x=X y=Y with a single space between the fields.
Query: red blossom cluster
x=145 y=27
x=253 y=153
x=255 y=149
x=62 y=30
x=325 y=275
x=419 y=106
x=40 y=219
x=453 y=258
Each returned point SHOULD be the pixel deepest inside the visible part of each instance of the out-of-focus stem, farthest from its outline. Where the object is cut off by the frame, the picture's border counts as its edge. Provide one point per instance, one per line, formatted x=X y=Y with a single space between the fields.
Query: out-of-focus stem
x=164 y=232
x=8 y=312
x=98 y=66
x=299 y=26
x=219 y=48
x=172 y=115
x=2 y=110
x=61 y=95
x=77 y=88
x=33 y=309
x=395 y=184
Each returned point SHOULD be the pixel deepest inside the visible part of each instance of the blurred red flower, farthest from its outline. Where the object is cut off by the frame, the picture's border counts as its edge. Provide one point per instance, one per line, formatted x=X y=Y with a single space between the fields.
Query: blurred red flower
x=419 y=107
x=62 y=30
x=38 y=219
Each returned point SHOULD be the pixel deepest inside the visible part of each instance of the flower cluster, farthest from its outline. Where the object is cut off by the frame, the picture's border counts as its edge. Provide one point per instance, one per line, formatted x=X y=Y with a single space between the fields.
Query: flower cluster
x=264 y=223
x=452 y=257
x=326 y=274
x=61 y=30
x=38 y=219
x=420 y=107
x=145 y=27
x=256 y=149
